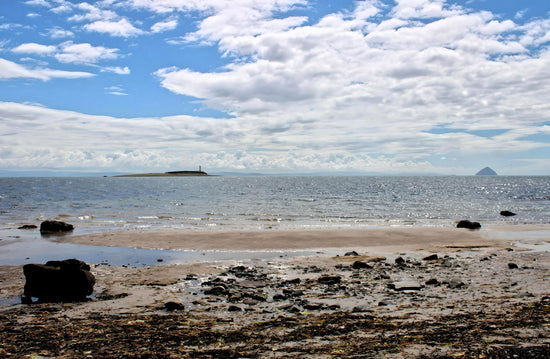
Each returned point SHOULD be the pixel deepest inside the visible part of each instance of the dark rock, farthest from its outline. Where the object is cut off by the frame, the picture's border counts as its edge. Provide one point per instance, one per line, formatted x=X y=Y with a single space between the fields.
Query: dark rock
x=251 y=283
x=160 y=260
x=329 y=279
x=173 y=306
x=469 y=225
x=432 y=257
x=250 y=301
x=455 y=284
x=28 y=226
x=351 y=254
x=234 y=308
x=360 y=265
x=512 y=266
x=507 y=213
x=217 y=290
x=405 y=285
x=384 y=303
x=399 y=261
x=279 y=297
x=49 y=227
x=314 y=306
x=432 y=281
x=191 y=277
x=58 y=281
x=292 y=293
x=290 y=281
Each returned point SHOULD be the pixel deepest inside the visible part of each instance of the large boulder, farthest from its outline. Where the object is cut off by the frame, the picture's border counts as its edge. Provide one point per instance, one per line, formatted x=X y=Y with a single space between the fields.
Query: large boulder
x=58 y=281
x=49 y=227
x=469 y=225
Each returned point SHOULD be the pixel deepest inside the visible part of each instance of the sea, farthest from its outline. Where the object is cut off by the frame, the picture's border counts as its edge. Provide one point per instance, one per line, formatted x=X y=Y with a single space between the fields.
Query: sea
x=100 y=204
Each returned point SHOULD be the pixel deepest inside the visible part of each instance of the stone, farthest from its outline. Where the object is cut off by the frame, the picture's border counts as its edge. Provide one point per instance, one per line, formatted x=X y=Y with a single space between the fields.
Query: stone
x=455 y=283
x=400 y=261
x=405 y=285
x=512 y=266
x=217 y=290
x=469 y=225
x=234 y=308
x=329 y=279
x=58 y=281
x=432 y=257
x=507 y=213
x=28 y=226
x=49 y=227
x=351 y=254
x=173 y=306
x=432 y=281
x=360 y=265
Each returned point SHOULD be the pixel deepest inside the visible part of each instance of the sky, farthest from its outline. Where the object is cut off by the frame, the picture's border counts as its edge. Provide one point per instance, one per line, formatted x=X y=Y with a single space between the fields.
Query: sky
x=275 y=86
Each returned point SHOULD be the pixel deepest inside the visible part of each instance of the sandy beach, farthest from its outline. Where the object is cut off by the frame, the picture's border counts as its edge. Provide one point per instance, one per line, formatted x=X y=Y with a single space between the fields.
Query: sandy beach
x=386 y=292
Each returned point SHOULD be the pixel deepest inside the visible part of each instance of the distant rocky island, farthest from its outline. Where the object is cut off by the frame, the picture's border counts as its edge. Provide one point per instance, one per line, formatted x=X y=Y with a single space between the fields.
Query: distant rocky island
x=169 y=174
x=487 y=171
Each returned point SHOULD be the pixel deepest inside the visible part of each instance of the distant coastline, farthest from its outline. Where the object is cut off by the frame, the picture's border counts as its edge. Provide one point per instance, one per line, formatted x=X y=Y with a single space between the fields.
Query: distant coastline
x=168 y=174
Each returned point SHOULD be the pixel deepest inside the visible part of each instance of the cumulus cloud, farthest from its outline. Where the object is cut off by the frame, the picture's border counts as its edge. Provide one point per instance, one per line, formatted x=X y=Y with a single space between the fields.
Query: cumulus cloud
x=9 y=70
x=120 y=28
x=167 y=25
x=69 y=52
x=57 y=32
x=33 y=48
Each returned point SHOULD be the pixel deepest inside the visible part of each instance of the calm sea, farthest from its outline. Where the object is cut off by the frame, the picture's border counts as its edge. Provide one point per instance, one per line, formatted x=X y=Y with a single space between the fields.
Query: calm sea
x=95 y=204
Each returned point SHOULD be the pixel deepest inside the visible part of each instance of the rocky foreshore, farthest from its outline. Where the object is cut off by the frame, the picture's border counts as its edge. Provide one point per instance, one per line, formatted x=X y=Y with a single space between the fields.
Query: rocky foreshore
x=467 y=302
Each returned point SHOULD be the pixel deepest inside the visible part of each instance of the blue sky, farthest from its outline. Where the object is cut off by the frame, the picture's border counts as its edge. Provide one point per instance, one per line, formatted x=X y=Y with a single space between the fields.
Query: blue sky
x=275 y=86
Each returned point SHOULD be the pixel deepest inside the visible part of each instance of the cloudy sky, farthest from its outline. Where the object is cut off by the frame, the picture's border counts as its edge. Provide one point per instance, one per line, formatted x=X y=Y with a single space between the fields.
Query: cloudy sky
x=275 y=86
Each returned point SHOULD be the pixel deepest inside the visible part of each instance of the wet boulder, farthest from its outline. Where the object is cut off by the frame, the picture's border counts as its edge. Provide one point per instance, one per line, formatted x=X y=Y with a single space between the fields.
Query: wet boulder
x=469 y=225
x=58 y=281
x=49 y=227
x=507 y=213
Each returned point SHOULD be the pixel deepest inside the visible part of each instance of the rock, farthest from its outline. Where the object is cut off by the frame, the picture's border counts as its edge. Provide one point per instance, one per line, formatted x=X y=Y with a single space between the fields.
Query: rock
x=291 y=281
x=314 y=306
x=58 y=281
x=432 y=281
x=251 y=283
x=360 y=265
x=507 y=213
x=361 y=309
x=405 y=285
x=49 y=227
x=432 y=257
x=512 y=266
x=250 y=301
x=469 y=225
x=234 y=308
x=455 y=283
x=384 y=303
x=351 y=254
x=217 y=290
x=292 y=293
x=28 y=226
x=329 y=279
x=173 y=306
x=400 y=261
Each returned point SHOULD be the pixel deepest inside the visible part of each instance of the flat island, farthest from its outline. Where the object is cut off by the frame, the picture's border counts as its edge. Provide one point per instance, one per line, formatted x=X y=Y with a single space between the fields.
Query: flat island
x=169 y=174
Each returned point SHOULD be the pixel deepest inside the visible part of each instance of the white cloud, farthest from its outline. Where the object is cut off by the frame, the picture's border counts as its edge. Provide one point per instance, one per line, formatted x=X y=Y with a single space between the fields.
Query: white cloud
x=116 y=90
x=59 y=33
x=33 y=48
x=92 y=13
x=117 y=70
x=163 y=26
x=9 y=69
x=84 y=53
x=121 y=28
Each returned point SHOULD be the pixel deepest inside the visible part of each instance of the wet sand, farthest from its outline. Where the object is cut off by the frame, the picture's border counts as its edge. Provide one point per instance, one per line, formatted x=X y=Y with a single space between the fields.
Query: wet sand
x=478 y=297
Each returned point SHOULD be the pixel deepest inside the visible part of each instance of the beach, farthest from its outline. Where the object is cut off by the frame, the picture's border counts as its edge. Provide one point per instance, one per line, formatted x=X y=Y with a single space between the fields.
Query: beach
x=382 y=292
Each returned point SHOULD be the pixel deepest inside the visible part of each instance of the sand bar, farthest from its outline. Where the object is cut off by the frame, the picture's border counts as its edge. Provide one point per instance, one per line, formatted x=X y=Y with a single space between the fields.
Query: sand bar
x=398 y=238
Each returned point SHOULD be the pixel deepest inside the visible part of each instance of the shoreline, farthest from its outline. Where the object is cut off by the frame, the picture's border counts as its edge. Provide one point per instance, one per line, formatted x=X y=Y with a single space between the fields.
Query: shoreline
x=390 y=300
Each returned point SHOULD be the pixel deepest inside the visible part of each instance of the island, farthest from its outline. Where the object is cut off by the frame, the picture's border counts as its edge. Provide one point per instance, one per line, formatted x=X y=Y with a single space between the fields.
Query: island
x=200 y=172
x=487 y=171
